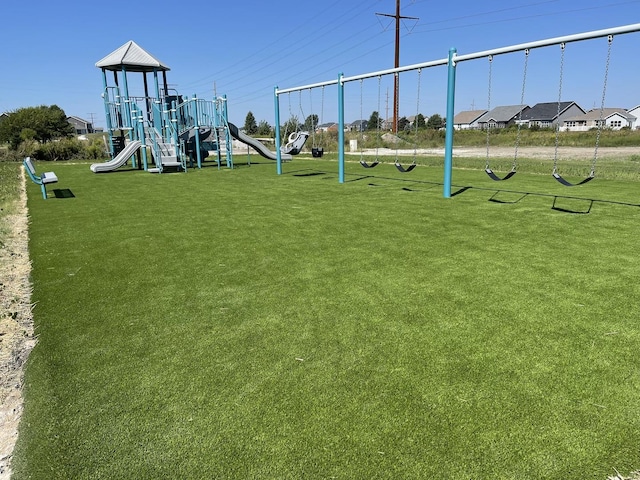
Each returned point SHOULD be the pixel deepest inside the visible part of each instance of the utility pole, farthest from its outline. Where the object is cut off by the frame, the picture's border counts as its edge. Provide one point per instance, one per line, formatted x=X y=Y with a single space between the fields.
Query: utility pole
x=93 y=127
x=396 y=64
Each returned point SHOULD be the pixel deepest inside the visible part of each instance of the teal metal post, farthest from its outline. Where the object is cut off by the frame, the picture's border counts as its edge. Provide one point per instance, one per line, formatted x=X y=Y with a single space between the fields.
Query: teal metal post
x=155 y=82
x=143 y=141
x=276 y=100
x=107 y=110
x=228 y=141
x=127 y=105
x=197 y=130
x=448 y=143
x=340 y=129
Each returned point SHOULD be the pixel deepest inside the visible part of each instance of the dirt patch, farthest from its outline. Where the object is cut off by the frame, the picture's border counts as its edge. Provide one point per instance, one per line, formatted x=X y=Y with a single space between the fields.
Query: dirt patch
x=16 y=325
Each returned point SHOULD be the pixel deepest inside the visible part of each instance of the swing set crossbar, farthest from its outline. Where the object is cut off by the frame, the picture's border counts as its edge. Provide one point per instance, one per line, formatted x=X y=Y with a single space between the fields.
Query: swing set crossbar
x=451 y=61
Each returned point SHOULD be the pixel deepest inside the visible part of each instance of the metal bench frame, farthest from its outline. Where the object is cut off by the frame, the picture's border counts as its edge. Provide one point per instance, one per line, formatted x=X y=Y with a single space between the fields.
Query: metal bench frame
x=42 y=180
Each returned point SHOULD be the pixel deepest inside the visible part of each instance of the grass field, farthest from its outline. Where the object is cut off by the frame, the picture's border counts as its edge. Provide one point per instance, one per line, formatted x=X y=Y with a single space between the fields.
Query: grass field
x=236 y=324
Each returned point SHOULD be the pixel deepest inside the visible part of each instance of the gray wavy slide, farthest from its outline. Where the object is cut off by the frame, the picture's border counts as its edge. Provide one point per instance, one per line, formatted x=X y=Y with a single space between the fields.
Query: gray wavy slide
x=257 y=145
x=119 y=160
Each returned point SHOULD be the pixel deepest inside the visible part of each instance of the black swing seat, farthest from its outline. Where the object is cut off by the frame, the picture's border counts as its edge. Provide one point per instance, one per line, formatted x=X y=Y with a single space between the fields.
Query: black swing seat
x=566 y=183
x=369 y=165
x=495 y=177
x=317 y=152
x=403 y=169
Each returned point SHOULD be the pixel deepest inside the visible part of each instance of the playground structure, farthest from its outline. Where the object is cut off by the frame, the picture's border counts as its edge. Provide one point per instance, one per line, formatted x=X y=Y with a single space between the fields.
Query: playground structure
x=451 y=62
x=175 y=130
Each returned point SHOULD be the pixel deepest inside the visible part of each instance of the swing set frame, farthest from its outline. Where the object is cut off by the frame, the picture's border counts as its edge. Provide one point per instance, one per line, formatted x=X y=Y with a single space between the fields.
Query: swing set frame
x=452 y=60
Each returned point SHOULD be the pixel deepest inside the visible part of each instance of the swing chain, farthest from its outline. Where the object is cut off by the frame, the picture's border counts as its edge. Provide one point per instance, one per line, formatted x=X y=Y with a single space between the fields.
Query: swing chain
x=321 y=117
x=524 y=83
x=604 y=93
x=360 y=134
x=313 y=128
x=488 y=110
x=378 y=119
x=555 y=155
x=300 y=105
x=289 y=122
x=415 y=120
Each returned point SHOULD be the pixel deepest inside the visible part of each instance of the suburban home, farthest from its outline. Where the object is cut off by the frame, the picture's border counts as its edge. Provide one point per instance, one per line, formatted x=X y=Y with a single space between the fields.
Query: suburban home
x=501 y=117
x=635 y=111
x=357 y=126
x=468 y=119
x=82 y=126
x=545 y=115
x=612 y=118
x=327 y=127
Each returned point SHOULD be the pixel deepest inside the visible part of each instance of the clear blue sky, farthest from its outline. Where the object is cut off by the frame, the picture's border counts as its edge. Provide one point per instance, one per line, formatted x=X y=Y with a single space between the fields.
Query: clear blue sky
x=245 y=48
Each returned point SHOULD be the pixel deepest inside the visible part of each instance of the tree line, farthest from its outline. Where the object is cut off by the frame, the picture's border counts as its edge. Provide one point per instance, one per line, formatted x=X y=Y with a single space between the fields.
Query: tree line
x=311 y=123
x=44 y=133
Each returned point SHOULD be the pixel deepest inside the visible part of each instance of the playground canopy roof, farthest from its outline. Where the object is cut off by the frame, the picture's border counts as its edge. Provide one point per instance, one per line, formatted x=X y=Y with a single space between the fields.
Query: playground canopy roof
x=132 y=58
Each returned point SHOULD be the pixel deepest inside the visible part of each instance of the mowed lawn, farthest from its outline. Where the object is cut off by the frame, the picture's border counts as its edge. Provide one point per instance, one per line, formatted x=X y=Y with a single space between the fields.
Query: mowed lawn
x=237 y=324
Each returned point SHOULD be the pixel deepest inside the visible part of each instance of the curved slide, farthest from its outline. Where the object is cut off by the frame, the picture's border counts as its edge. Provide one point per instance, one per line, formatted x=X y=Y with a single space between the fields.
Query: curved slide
x=257 y=146
x=119 y=159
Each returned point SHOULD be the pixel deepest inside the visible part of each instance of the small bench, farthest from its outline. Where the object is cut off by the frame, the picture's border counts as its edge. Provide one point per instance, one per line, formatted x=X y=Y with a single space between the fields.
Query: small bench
x=42 y=180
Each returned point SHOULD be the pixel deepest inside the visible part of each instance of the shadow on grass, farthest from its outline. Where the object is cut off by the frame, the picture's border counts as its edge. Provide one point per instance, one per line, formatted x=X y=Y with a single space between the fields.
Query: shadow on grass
x=63 y=193
x=566 y=209
x=570 y=203
x=498 y=198
x=501 y=196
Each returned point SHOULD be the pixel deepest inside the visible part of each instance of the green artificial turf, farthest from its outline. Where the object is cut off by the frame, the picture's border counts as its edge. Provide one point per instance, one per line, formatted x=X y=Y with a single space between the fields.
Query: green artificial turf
x=238 y=324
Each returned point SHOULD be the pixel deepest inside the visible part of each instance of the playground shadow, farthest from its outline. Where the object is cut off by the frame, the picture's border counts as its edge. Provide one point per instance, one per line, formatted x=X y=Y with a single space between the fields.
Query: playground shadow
x=509 y=198
x=63 y=193
x=572 y=206
x=561 y=203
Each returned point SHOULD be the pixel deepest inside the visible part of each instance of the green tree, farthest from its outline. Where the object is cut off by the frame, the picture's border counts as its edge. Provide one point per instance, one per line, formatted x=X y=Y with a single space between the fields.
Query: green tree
x=435 y=122
x=292 y=125
x=42 y=124
x=420 y=122
x=403 y=123
x=311 y=123
x=250 y=125
x=374 y=121
x=264 y=129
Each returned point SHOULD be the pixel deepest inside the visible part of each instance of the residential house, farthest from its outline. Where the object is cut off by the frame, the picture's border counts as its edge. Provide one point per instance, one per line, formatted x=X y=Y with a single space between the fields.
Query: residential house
x=357 y=126
x=545 y=115
x=468 y=119
x=635 y=111
x=327 y=127
x=501 y=117
x=82 y=126
x=611 y=118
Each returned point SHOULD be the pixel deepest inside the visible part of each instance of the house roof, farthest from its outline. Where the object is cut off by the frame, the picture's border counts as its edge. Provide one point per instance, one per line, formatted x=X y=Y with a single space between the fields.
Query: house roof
x=501 y=114
x=132 y=58
x=468 y=117
x=78 y=119
x=547 y=111
x=594 y=114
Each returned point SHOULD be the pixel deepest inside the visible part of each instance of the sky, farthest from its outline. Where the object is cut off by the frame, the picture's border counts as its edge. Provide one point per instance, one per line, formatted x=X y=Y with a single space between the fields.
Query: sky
x=245 y=49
